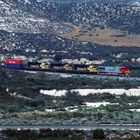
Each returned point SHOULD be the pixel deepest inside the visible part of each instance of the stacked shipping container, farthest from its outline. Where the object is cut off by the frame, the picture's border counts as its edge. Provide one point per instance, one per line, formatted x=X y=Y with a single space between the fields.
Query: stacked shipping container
x=13 y=63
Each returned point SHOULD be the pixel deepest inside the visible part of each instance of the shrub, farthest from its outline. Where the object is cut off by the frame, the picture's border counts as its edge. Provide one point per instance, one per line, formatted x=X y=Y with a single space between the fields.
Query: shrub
x=98 y=134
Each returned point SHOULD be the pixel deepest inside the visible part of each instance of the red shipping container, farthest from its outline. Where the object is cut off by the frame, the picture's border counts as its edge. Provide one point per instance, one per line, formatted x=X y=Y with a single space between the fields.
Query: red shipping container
x=13 y=61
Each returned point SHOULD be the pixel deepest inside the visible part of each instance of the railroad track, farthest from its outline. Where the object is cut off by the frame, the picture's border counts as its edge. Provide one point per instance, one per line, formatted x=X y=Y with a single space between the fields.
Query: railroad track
x=76 y=127
x=66 y=75
x=80 y=74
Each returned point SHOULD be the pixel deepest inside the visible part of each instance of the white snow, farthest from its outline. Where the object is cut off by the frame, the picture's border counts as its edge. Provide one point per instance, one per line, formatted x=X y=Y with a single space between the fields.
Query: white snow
x=98 y=104
x=69 y=109
x=39 y=0
x=49 y=110
x=136 y=3
x=1 y=2
x=7 y=89
x=137 y=110
x=53 y=92
x=84 y=92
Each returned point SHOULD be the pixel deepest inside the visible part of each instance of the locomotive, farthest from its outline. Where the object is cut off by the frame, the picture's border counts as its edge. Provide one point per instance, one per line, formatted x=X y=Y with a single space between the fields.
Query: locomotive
x=66 y=67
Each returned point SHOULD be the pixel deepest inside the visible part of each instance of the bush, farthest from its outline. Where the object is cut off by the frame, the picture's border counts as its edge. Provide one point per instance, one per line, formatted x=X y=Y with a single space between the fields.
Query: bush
x=98 y=134
x=73 y=98
x=40 y=101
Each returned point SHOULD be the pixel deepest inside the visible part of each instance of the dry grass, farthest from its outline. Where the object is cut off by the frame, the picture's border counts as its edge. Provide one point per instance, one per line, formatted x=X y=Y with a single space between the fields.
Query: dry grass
x=105 y=36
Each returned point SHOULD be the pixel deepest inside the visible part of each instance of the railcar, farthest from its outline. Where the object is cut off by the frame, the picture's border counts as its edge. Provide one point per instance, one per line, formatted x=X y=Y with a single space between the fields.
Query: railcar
x=85 y=68
x=44 y=65
x=60 y=67
x=56 y=66
x=68 y=67
x=12 y=63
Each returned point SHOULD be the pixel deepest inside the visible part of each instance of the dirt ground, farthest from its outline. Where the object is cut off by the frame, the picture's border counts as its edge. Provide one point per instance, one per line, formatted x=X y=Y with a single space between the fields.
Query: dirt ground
x=105 y=36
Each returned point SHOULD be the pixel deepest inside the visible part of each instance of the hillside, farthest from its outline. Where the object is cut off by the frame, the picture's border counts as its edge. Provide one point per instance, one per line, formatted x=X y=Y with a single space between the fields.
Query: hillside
x=117 y=16
x=14 y=19
x=39 y=31
x=87 y=1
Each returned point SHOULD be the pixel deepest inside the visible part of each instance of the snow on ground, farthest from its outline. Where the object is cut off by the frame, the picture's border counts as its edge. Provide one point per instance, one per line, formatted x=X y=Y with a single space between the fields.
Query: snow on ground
x=49 y=110
x=1 y=2
x=73 y=109
x=97 y=104
x=137 y=110
x=53 y=92
x=84 y=92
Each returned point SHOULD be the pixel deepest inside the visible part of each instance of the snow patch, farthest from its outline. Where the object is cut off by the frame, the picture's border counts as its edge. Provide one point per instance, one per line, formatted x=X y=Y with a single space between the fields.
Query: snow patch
x=49 y=110
x=137 y=110
x=97 y=104
x=85 y=92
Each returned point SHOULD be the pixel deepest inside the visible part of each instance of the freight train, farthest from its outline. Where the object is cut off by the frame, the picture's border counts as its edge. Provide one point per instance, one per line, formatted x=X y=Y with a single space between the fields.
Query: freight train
x=18 y=64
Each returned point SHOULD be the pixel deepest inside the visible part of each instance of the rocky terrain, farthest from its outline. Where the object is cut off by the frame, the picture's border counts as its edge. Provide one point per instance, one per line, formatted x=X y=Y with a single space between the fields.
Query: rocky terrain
x=97 y=1
x=13 y=19
x=119 y=16
x=36 y=16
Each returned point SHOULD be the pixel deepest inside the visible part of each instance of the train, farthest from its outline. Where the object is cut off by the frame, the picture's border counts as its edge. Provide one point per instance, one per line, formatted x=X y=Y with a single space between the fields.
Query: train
x=18 y=64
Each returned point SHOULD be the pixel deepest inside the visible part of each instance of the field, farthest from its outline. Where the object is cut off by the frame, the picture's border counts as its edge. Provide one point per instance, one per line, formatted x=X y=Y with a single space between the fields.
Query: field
x=27 y=99
x=104 y=36
x=48 y=134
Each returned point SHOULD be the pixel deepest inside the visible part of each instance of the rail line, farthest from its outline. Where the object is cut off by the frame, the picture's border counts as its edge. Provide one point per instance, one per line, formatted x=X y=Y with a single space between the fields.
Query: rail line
x=72 y=74
x=72 y=127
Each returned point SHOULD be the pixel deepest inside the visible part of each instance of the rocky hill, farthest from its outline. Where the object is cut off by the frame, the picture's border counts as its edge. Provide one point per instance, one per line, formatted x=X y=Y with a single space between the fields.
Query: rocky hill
x=15 y=19
x=34 y=29
x=86 y=1
x=35 y=16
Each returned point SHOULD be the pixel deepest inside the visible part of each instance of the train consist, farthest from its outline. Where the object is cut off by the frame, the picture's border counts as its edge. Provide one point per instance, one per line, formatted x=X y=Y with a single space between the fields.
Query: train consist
x=66 y=68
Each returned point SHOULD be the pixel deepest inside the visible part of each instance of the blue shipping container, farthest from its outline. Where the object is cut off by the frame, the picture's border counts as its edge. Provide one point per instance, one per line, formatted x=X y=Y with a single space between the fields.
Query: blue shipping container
x=13 y=66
